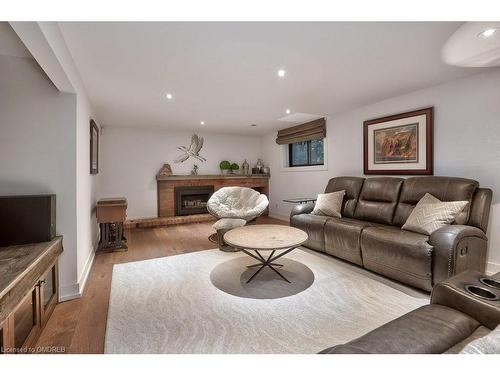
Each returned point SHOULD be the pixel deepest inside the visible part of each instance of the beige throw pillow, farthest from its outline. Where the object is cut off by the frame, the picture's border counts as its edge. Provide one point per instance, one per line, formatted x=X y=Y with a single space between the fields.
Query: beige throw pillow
x=329 y=204
x=430 y=214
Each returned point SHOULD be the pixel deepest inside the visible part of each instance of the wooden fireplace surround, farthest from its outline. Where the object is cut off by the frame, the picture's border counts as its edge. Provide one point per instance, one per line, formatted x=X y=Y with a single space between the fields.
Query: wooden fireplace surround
x=167 y=184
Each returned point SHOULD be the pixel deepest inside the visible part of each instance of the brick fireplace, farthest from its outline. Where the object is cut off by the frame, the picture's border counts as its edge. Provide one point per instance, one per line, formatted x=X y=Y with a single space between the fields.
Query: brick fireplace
x=168 y=185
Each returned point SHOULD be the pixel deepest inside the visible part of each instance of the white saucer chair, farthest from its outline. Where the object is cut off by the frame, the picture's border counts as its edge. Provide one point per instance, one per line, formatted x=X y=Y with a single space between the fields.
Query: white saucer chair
x=237 y=202
x=234 y=206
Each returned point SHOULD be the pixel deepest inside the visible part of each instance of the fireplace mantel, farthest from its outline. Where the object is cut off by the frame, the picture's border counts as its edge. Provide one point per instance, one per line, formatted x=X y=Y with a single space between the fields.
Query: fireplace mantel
x=167 y=184
x=209 y=176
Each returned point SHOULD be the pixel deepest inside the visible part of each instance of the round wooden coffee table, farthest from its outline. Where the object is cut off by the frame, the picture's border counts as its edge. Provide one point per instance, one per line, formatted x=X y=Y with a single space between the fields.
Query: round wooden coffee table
x=279 y=240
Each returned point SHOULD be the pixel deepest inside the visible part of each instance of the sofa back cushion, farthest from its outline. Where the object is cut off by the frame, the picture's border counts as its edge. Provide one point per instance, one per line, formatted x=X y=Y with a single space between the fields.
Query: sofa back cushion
x=480 y=209
x=445 y=189
x=378 y=199
x=352 y=187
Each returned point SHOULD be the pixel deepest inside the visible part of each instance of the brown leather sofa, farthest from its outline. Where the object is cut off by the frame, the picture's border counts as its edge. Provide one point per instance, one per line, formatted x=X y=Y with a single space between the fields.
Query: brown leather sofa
x=454 y=318
x=369 y=233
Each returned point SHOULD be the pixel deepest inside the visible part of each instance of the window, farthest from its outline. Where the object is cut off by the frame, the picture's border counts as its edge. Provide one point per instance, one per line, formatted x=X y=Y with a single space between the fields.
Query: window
x=306 y=153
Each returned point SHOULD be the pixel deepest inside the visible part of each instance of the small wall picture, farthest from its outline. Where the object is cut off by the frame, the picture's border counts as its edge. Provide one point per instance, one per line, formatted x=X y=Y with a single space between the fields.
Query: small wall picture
x=94 y=148
x=399 y=144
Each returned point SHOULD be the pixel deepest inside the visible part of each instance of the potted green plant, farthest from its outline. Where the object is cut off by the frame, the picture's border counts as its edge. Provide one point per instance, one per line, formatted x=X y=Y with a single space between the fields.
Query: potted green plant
x=234 y=167
x=225 y=166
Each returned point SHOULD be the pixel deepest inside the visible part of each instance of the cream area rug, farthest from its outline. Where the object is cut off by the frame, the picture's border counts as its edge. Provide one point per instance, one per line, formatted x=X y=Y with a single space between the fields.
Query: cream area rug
x=171 y=305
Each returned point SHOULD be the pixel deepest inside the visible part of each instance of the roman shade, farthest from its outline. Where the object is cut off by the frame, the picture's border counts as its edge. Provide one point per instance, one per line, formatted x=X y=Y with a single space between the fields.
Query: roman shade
x=305 y=132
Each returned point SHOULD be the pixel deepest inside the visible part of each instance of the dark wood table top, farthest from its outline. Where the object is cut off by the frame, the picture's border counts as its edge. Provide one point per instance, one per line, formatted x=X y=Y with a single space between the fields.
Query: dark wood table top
x=17 y=261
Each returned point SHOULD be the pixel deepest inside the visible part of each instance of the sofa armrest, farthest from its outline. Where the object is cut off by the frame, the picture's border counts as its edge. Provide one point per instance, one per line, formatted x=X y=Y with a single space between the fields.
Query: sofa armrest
x=452 y=293
x=457 y=248
x=305 y=208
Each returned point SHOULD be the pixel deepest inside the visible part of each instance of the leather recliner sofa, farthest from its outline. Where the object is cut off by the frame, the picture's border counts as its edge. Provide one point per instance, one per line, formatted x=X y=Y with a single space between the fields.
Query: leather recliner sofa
x=453 y=319
x=369 y=233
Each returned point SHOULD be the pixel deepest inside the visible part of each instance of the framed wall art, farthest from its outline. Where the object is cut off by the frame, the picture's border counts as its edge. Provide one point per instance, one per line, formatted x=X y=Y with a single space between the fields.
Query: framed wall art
x=94 y=148
x=400 y=144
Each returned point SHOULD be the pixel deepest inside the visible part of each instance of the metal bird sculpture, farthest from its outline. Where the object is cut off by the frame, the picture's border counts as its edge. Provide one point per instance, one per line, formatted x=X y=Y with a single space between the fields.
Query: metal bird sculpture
x=192 y=151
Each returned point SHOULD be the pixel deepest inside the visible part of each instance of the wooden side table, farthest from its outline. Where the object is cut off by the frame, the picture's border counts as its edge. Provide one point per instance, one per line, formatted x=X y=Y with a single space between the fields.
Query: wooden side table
x=111 y=214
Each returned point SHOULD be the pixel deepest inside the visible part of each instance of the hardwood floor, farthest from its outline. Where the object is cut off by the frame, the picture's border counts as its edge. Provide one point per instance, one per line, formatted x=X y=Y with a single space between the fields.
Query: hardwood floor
x=80 y=325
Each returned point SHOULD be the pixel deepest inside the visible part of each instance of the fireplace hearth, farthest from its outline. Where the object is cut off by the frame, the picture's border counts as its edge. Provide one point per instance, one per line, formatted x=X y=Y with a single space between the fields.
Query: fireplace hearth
x=190 y=200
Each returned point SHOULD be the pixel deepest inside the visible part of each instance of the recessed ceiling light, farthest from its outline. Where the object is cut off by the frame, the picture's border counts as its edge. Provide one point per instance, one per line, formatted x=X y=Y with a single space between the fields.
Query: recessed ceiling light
x=487 y=33
x=169 y=96
x=281 y=73
x=287 y=111
x=202 y=122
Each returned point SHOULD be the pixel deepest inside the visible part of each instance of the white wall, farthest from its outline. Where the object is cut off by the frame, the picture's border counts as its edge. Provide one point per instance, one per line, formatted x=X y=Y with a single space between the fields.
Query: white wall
x=47 y=45
x=86 y=184
x=466 y=144
x=37 y=147
x=131 y=158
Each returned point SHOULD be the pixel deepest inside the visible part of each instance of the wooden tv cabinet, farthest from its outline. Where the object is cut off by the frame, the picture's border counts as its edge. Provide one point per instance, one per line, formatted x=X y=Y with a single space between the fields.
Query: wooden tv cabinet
x=28 y=293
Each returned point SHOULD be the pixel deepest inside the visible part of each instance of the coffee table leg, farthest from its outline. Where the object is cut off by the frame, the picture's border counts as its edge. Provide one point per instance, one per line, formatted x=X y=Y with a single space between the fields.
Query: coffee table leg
x=260 y=264
x=266 y=262
x=283 y=277
x=255 y=274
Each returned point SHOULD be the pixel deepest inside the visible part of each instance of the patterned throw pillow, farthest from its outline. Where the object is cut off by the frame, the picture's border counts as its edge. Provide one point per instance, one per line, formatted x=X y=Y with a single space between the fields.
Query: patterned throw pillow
x=430 y=214
x=329 y=204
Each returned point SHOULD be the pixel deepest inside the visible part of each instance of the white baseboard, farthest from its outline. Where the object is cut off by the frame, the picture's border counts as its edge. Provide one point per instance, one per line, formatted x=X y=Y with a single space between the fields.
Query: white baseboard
x=69 y=292
x=86 y=271
x=492 y=268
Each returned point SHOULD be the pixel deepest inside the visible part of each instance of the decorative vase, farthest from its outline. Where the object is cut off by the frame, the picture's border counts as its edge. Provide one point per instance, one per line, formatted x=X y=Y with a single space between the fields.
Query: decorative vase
x=259 y=165
x=245 y=167
x=224 y=171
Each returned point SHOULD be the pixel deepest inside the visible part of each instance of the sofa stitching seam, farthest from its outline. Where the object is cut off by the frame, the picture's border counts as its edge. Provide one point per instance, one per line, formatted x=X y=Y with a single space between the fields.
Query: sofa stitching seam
x=397 y=269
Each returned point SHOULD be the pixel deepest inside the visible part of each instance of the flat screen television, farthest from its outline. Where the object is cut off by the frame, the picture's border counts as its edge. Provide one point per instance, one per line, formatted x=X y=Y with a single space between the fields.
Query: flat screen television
x=27 y=219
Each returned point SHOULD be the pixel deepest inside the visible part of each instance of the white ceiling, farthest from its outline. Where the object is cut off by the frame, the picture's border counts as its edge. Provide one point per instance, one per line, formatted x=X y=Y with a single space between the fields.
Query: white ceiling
x=226 y=73
x=466 y=47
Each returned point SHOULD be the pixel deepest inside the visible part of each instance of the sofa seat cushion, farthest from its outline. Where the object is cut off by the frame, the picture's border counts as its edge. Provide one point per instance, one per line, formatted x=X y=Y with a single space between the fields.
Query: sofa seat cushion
x=401 y=255
x=430 y=329
x=342 y=238
x=313 y=225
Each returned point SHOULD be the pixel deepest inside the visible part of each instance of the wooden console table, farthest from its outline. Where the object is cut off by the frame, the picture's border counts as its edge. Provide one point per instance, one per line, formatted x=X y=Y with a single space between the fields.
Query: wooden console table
x=28 y=292
x=111 y=214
